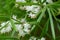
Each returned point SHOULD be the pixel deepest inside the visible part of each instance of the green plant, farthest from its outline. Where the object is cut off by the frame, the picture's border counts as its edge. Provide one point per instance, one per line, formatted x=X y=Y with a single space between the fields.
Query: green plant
x=42 y=23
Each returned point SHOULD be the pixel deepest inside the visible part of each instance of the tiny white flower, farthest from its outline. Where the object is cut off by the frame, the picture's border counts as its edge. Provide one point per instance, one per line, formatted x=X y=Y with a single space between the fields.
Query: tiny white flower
x=29 y=8
x=8 y=29
x=33 y=38
x=49 y=1
x=14 y=17
x=23 y=20
x=32 y=15
x=16 y=5
x=34 y=1
x=19 y=27
x=27 y=25
x=3 y=30
x=36 y=8
x=27 y=31
x=22 y=33
x=20 y=1
x=22 y=7
x=2 y=24
x=44 y=3
x=42 y=38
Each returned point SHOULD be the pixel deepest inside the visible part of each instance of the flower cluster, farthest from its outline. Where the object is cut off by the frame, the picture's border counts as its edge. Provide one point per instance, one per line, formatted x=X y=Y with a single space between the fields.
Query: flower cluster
x=23 y=28
x=31 y=10
x=5 y=29
x=20 y=1
x=34 y=38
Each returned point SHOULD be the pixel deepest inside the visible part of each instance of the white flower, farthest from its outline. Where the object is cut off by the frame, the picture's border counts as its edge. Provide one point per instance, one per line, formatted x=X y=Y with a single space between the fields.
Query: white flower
x=23 y=20
x=22 y=33
x=16 y=5
x=27 y=25
x=2 y=24
x=8 y=29
x=36 y=8
x=22 y=7
x=20 y=1
x=27 y=31
x=19 y=27
x=42 y=38
x=32 y=15
x=49 y=1
x=33 y=8
x=29 y=8
x=33 y=38
x=34 y=1
x=3 y=30
x=14 y=17
x=44 y=3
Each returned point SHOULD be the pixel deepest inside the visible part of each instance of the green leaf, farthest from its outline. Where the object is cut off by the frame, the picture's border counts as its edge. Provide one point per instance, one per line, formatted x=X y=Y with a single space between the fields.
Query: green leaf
x=4 y=18
x=13 y=25
x=41 y=15
x=51 y=23
x=53 y=13
x=45 y=29
x=58 y=26
x=55 y=4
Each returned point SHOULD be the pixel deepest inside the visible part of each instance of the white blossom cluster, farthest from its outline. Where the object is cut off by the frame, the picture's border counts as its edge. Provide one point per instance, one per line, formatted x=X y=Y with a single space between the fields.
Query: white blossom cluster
x=20 y=1
x=23 y=28
x=31 y=10
x=34 y=38
x=49 y=1
x=23 y=1
x=5 y=29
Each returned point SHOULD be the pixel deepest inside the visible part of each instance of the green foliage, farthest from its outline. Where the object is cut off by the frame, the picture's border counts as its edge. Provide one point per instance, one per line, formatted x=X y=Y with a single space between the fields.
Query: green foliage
x=41 y=26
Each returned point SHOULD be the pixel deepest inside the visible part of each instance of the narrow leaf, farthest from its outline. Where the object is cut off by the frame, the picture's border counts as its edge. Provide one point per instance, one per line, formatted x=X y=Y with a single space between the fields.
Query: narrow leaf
x=51 y=23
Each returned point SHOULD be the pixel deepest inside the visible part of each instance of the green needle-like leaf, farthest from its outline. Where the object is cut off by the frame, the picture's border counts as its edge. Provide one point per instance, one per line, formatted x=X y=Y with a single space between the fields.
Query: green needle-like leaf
x=45 y=29
x=12 y=23
x=51 y=23
x=14 y=28
x=41 y=15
